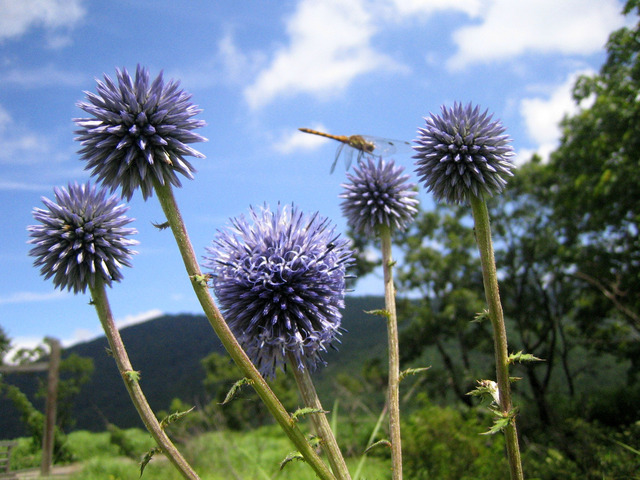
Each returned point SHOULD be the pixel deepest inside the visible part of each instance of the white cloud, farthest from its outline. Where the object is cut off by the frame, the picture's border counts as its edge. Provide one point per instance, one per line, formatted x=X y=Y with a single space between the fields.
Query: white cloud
x=29 y=297
x=44 y=76
x=19 y=16
x=229 y=65
x=138 y=318
x=8 y=185
x=542 y=115
x=511 y=28
x=329 y=45
x=19 y=146
x=413 y=7
x=85 y=335
x=291 y=141
x=19 y=343
x=79 y=335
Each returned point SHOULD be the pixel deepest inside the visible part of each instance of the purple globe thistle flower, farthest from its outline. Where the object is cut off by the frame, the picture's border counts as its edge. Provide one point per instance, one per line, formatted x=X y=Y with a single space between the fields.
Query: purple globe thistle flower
x=378 y=195
x=81 y=237
x=280 y=281
x=463 y=152
x=139 y=132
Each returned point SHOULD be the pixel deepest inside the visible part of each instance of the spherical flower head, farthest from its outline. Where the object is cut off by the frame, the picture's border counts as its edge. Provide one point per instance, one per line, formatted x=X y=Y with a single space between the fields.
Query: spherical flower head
x=378 y=194
x=280 y=281
x=463 y=152
x=138 y=132
x=81 y=237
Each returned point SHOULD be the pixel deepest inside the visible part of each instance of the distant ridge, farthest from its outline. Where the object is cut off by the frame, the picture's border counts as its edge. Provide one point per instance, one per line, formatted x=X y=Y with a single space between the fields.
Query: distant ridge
x=167 y=351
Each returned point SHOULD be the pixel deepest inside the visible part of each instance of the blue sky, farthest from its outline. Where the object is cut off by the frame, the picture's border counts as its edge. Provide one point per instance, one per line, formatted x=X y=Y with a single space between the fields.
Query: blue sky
x=259 y=70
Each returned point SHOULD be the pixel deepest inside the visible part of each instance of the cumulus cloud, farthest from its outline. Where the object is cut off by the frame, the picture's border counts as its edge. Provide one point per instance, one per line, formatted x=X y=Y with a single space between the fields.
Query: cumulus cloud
x=328 y=46
x=291 y=141
x=20 y=16
x=542 y=115
x=413 y=7
x=509 y=29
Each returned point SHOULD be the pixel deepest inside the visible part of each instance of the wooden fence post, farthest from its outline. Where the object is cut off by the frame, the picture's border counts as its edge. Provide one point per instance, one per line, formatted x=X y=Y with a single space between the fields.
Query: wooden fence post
x=51 y=407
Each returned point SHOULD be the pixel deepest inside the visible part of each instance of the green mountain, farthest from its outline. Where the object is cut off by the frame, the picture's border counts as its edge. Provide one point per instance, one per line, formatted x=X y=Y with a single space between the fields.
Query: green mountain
x=167 y=351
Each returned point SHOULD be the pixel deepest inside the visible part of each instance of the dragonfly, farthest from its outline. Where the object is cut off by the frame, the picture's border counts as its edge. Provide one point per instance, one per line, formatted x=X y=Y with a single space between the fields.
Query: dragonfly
x=364 y=145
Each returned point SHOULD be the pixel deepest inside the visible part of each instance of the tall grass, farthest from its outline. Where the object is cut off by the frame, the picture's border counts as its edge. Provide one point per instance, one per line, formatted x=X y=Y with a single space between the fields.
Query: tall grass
x=225 y=455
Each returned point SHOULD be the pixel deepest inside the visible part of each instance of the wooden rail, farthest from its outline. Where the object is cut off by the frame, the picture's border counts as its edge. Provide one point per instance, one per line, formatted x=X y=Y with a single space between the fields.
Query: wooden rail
x=53 y=368
x=5 y=459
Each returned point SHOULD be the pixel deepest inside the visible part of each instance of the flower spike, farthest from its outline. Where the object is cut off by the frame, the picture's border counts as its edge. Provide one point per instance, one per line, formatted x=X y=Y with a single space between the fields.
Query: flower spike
x=139 y=132
x=378 y=194
x=280 y=281
x=463 y=152
x=82 y=236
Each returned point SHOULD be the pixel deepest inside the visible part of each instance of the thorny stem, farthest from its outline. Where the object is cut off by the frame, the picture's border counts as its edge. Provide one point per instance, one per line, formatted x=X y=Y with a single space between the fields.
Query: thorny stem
x=490 y=280
x=394 y=354
x=101 y=302
x=319 y=420
x=171 y=211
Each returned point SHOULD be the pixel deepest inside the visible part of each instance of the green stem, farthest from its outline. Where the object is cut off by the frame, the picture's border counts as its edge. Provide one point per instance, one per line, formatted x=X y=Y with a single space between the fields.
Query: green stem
x=170 y=208
x=101 y=302
x=490 y=280
x=372 y=437
x=319 y=420
x=394 y=354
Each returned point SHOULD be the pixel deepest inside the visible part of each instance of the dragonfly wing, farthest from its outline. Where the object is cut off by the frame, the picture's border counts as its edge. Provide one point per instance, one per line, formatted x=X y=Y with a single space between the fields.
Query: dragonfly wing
x=348 y=157
x=385 y=146
x=335 y=161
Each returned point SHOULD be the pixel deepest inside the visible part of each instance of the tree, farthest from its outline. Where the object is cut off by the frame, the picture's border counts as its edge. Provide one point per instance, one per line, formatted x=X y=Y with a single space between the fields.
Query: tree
x=5 y=345
x=75 y=371
x=244 y=409
x=442 y=265
x=538 y=294
x=592 y=182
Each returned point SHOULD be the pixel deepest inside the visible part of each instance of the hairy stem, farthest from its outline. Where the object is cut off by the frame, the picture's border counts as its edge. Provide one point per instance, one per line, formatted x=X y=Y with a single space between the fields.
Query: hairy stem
x=101 y=302
x=490 y=280
x=319 y=420
x=394 y=354
x=170 y=208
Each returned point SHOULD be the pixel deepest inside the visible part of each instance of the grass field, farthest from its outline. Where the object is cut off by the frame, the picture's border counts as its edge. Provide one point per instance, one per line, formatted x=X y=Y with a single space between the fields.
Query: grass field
x=215 y=456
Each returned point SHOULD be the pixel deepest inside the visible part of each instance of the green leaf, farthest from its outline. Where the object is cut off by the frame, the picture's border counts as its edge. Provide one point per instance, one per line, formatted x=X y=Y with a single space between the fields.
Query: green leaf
x=628 y=447
x=235 y=387
x=486 y=389
x=174 y=417
x=301 y=412
x=499 y=424
x=161 y=226
x=380 y=312
x=379 y=443
x=481 y=316
x=147 y=458
x=412 y=371
x=201 y=280
x=523 y=357
x=292 y=456
x=132 y=376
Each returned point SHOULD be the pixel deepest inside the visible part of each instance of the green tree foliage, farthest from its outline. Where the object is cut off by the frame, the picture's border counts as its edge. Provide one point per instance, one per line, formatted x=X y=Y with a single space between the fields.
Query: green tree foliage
x=441 y=263
x=443 y=443
x=538 y=295
x=241 y=411
x=5 y=345
x=34 y=421
x=592 y=183
x=75 y=371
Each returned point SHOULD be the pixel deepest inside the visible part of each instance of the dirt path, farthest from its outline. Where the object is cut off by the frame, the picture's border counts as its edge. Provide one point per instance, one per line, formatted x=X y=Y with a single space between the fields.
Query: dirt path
x=59 y=472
